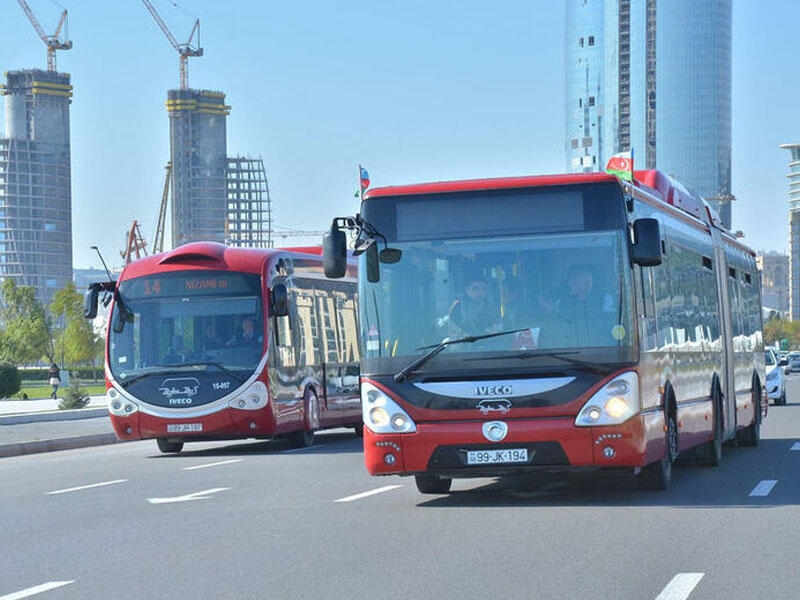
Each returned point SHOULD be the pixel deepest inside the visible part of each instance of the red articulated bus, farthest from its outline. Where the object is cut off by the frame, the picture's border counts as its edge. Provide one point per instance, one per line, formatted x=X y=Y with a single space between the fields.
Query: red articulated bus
x=574 y=322
x=210 y=342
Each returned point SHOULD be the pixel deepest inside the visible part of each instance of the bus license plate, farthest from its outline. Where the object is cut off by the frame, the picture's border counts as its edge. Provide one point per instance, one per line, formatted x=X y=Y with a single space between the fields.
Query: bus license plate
x=184 y=427
x=486 y=457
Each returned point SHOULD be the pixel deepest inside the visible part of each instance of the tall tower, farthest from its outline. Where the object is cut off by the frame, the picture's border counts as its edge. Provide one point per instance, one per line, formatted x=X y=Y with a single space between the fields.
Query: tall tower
x=654 y=77
x=35 y=184
x=794 y=230
x=198 y=151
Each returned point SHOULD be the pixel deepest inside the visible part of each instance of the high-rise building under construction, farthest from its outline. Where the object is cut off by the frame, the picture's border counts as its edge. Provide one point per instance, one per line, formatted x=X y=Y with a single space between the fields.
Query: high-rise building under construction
x=35 y=189
x=198 y=151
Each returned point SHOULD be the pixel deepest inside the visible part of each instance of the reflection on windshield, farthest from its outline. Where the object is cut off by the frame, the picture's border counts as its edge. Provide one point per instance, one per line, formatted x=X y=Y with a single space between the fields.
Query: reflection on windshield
x=555 y=292
x=171 y=325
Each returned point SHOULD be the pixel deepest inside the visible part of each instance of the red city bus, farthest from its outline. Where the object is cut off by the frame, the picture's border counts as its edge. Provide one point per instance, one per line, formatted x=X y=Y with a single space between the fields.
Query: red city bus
x=210 y=342
x=573 y=322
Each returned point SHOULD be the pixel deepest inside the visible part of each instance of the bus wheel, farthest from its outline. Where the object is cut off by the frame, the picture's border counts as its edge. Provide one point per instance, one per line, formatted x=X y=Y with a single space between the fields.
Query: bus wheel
x=168 y=447
x=305 y=437
x=430 y=484
x=751 y=435
x=658 y=475
x=713 y=448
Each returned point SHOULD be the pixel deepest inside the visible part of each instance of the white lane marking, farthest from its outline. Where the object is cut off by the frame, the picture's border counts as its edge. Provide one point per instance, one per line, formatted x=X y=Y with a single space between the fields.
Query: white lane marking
x=795 y=447
x=680 y=586
x=386 y=488
x=187 y=497
x=216 y=464
x=764 y=487
x=86 y=487
x=32 y=591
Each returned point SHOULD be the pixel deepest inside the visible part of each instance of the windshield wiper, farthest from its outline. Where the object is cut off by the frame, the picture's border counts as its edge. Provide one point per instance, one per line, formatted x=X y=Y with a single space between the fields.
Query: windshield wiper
x=181 y=367
x=435 y=349
x=219 y=365
x=586 y=366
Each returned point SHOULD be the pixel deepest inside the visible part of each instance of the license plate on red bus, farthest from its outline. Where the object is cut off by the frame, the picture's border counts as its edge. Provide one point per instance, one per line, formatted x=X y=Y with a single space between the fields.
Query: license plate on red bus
x=184 y=427
x=489 y=457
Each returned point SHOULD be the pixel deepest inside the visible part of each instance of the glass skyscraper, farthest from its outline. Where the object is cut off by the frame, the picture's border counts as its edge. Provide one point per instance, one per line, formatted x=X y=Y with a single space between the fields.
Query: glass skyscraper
x=654 y=77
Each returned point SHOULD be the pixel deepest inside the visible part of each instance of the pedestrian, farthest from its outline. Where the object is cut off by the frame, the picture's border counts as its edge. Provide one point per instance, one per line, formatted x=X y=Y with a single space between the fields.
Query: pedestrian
x=55 y=379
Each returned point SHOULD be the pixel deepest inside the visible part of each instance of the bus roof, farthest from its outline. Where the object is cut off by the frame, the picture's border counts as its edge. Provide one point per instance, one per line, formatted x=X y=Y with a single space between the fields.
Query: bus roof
x=656 y=183
x=212 y=255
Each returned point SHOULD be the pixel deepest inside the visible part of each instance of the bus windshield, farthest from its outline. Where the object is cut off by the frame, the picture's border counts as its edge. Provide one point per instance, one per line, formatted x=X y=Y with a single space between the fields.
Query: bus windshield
x=195 y=320
x=561 y=291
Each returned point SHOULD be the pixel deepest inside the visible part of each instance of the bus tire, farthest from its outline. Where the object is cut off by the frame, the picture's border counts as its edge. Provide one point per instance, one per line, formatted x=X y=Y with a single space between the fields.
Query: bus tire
x=431 y=484
x=712 y=455
x=303 y=438
x=658 y=475
x=359 y=429
x=751 y=435
x=169 y=447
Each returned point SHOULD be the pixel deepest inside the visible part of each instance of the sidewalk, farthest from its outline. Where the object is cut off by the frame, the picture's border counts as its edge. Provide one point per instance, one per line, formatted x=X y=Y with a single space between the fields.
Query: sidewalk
x=32 y=426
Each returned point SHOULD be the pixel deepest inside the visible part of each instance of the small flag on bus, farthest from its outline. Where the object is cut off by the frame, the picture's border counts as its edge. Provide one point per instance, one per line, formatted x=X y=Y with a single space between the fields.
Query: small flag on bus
x=364 y=176
x=621 y=165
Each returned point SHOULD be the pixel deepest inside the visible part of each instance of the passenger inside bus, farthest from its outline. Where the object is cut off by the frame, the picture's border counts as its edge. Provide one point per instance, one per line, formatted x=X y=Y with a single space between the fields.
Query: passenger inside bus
x=247 y=336
x=474 y=312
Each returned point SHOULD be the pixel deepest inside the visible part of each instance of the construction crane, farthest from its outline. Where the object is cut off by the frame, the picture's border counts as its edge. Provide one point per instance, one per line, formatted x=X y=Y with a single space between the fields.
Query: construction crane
x=136 y=245
x=158 y=241
x=52 y=42
x=184 y=50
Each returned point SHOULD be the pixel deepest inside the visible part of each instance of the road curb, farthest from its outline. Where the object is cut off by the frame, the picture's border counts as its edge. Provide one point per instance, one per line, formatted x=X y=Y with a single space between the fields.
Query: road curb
x=36 y=447
x=53 y=415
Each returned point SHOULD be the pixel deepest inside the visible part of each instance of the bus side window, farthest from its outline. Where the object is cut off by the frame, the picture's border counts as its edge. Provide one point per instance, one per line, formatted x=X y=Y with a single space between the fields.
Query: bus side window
x=648 y=333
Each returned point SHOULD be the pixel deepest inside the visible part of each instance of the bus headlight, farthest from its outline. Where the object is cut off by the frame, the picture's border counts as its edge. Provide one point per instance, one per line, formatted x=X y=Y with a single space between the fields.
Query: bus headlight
x=253 y=398
x=614 y=403
x=382 y=414
x=119 y=405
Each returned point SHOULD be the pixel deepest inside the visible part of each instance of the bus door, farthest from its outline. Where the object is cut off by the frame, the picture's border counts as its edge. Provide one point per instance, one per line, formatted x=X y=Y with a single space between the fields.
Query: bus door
x=728 y=382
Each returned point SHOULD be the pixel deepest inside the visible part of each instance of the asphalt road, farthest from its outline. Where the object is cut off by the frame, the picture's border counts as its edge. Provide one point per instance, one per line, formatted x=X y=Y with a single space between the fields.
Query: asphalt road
x=258 y=520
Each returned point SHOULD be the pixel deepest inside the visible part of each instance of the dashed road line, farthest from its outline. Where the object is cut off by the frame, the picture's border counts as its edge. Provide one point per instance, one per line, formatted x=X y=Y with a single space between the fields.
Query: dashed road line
x=764 y=487
x=205 y=494
x=386 y=488
x=32 y=591
x=680 y=586
x=86 y=487
x=216 y=464
x=795 y=447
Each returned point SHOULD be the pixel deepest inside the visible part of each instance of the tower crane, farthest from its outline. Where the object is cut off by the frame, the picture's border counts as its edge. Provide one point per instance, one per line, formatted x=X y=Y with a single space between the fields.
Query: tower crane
x=158 y=241
x=184 y=50
x=136 y=244
x=52 y=42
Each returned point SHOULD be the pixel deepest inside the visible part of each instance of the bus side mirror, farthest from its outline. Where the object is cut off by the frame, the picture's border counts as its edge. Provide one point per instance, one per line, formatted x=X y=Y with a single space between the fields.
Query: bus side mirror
x=334 y=253
x=646 y=247
x=90 y=301
x=280 y=301
x=373 y=265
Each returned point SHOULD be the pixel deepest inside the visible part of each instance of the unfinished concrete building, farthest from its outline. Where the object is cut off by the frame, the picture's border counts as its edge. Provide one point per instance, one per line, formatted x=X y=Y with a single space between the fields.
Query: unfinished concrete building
x=198 y=151
x=35 y=188
x=249 y=220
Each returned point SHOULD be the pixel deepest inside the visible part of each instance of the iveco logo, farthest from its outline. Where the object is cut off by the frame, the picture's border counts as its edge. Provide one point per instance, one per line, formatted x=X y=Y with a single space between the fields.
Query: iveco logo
x=494 y=390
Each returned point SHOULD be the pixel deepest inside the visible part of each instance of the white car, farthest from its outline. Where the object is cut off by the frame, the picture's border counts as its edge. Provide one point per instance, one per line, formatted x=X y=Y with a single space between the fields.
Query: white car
x=776 y=379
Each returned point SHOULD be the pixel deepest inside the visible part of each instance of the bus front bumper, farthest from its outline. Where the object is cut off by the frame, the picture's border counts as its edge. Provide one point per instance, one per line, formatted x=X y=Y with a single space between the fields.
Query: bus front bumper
x=460 y=449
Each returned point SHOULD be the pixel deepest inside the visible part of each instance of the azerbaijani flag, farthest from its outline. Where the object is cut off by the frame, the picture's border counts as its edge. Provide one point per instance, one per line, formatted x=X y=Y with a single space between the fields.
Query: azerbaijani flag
x=621 y=165
x=364 y=177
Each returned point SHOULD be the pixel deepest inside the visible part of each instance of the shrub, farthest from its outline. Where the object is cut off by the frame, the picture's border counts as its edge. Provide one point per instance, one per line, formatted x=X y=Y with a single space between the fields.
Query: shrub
x=75 y=397
x=10 y=380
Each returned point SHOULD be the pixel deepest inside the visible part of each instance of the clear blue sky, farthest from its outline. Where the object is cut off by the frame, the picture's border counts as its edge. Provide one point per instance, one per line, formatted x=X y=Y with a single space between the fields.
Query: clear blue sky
x=417 y=90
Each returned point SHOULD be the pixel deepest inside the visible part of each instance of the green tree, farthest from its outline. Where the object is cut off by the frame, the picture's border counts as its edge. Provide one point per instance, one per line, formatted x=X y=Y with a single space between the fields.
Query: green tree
x=26 y=336
x=76 y=341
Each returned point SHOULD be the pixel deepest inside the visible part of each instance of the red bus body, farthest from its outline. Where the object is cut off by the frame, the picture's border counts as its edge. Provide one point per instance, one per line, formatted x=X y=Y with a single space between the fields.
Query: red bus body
x=176 y=372
x=678 y=369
